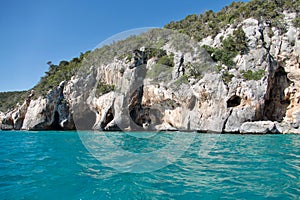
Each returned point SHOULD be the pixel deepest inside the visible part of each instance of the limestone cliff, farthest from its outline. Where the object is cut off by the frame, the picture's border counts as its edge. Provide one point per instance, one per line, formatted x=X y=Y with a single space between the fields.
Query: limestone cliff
x=48 y=113
x=179 y=85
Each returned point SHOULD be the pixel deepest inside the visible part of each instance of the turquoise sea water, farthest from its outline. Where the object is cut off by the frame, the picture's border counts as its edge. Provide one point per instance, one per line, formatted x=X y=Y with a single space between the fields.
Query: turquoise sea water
x=56 y=165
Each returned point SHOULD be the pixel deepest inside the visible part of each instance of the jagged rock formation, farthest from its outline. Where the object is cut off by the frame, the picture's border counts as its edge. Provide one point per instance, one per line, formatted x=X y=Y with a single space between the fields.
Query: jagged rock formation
x=220 y=99
x=14 y=119
x=48 y=113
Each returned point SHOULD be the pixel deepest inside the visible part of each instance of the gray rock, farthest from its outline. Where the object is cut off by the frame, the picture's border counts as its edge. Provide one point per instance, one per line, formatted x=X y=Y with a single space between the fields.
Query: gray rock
x=7 y=122
x=1 y=118
x=103 y=109
x=18 y=115
x=205 y=103
x=36 y=116
x=259 y=127
x=47 y=113
x=287 y=128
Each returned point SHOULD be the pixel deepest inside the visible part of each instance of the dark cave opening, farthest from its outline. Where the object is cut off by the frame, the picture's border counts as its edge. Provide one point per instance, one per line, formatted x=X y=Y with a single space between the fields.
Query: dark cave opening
x=275 y=102
x=55 y=125
x=234 y=101
x=108 y=118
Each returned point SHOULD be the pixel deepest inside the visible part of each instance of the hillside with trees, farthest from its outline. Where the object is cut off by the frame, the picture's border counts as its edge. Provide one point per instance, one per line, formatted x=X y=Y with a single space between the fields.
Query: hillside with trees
x=8 y=100
x=211 y=23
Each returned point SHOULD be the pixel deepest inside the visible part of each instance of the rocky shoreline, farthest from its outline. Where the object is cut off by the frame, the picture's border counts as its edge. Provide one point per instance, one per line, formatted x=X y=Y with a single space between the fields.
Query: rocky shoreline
x=209 y=103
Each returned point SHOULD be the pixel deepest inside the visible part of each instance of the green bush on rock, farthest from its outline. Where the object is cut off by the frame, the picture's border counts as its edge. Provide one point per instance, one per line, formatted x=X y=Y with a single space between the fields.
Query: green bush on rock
x=58 y=73
x=160 y=72
x=181 y=80
x=166 y=60
x=296 y=22
x=231 y=46
x=103 y=88
x=253 y=75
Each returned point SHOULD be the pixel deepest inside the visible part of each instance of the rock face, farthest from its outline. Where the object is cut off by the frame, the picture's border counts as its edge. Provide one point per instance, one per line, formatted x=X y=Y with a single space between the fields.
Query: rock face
x=49 y=113
x=7 y=123
x=173 y=100
x=273 y=97
x=19 y=115
x=14 y=119
x=260 y=127
x=238 y=106
x=103 y=107
x=2 y=115
x=36 y=115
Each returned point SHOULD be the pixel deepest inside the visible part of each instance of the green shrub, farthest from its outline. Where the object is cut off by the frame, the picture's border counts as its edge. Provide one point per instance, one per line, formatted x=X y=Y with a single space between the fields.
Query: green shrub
x=197 y=70
x=222 y=55
x=296 y=22
x=219 y=68
x=240 y=40
x=183 y=43
x=159 y=72
x=103 y=88
x=166 y=60
x=231 y=47
x=58 y=73
x=182 y=80
x=253 y=75
x=155 y=52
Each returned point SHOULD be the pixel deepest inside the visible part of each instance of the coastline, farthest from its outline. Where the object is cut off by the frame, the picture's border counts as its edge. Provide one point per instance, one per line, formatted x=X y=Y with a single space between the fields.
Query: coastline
x=159 y=131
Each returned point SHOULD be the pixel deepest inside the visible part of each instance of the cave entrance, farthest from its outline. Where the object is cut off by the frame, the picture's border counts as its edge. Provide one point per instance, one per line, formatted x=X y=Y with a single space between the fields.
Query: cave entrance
x=108 y=118
x=55 y=125
x=233 y=101
x=275 y=103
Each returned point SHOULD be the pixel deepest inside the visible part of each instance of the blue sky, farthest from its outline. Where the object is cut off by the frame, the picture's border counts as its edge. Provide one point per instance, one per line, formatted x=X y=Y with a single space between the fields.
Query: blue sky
x=33 y=32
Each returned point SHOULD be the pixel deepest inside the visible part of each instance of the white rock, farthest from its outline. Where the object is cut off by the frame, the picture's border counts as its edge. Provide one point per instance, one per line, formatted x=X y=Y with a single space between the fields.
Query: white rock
x=258 y=127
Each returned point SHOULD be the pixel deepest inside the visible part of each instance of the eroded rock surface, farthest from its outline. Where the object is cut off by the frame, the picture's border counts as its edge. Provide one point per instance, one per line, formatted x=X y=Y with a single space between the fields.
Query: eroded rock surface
x=49 y=113
x=173 y=100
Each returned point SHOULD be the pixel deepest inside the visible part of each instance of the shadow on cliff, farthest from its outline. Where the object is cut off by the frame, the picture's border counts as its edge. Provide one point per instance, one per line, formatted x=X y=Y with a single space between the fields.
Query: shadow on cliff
x=275 y=103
